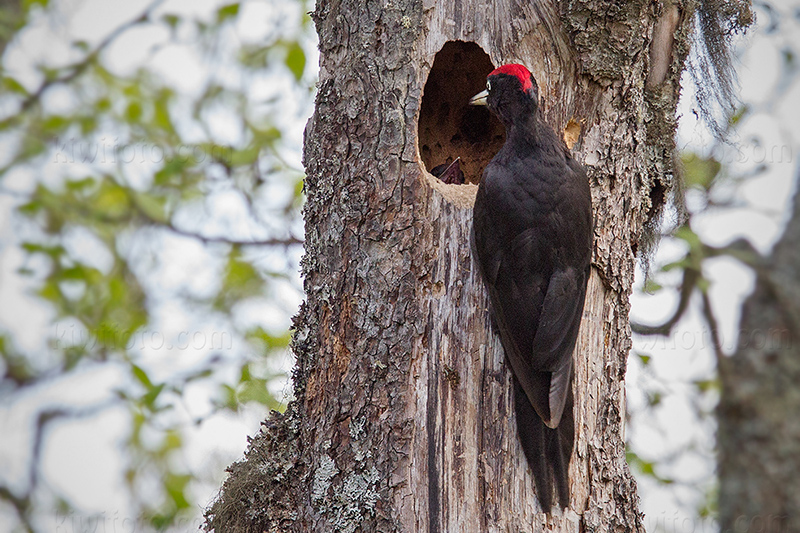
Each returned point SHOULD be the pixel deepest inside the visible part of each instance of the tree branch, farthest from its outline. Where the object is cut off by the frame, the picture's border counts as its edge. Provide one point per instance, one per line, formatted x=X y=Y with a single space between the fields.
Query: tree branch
x=708 y=314
x=690 y=278
x=76 y=69
x=288 y=241
x=740 y=249
x=20 y=504
x=23 y=504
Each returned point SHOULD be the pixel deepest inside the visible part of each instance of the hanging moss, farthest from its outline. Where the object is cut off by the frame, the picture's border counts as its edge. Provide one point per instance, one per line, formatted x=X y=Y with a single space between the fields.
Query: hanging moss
x=706 y=27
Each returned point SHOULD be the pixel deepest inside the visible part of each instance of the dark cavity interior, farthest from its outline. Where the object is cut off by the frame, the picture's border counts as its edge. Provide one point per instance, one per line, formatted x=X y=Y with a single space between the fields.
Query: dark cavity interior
x=448 y=126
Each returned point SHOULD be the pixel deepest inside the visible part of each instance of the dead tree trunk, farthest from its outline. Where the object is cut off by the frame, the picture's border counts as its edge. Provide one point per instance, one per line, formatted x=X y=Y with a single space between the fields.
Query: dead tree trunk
x=759 y=426
x=403 y=416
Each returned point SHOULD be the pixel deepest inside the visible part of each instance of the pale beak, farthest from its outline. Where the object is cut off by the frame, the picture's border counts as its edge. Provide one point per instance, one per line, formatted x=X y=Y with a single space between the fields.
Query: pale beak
x=479 y=99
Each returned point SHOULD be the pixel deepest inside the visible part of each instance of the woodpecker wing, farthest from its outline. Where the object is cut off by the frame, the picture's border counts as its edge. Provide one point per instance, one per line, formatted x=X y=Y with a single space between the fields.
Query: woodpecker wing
x=538 y=321
x=535 y=285
x=556 y=334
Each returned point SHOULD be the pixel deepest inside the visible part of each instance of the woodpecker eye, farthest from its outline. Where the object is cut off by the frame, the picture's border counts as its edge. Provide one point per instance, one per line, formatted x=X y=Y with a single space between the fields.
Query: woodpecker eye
x=488 y=85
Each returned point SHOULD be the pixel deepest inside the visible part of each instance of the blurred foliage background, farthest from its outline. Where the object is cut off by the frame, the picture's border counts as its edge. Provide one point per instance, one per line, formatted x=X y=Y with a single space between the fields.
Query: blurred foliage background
x=150 y=197
x=151 y=189
x=738 y=187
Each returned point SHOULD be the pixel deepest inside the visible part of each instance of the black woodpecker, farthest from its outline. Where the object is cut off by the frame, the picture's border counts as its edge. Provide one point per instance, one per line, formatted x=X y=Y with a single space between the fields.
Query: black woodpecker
x=532 y=236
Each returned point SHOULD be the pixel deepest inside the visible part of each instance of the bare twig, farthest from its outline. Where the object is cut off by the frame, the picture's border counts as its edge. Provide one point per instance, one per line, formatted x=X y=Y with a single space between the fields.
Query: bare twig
x=21 y=506
x=711 y=320
x=740 y=249
x=205 y=239
x=690 y=278
x=76 y=69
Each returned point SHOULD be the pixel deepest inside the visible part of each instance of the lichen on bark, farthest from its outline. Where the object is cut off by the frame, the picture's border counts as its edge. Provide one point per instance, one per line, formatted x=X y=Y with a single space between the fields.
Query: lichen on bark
x=259 y=494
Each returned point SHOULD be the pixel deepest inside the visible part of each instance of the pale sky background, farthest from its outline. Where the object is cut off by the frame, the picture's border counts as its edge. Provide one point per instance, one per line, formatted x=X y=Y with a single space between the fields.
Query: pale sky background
x=81 y=458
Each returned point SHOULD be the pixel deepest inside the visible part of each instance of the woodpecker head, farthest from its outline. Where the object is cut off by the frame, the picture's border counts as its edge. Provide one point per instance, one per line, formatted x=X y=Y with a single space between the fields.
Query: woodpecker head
x=511 y=93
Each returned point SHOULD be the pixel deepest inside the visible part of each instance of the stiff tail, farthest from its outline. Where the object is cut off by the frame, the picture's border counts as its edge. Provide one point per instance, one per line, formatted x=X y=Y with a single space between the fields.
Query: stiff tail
x=547 y=450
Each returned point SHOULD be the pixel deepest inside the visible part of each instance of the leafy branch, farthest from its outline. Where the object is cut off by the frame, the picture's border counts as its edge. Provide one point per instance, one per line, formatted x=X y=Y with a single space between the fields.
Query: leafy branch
x=76 y=69
x=106 y=281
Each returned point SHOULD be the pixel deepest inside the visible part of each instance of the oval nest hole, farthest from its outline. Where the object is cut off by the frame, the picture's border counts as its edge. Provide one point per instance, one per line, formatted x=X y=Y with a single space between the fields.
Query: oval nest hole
x=455 y=137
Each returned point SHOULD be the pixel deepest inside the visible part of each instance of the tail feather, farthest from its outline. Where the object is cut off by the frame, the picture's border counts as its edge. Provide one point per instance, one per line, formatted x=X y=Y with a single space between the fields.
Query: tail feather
x=547 y=450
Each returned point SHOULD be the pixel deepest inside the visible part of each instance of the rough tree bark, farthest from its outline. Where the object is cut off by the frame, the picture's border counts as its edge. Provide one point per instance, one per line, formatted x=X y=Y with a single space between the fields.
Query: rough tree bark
x=403 y=416
x=759 y=426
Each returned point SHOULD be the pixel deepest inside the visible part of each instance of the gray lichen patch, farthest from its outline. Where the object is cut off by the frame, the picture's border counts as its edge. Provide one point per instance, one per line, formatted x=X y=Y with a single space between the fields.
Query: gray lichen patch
x=322 y=477
x=354 y=501
x=349 y=502
x=606 y=35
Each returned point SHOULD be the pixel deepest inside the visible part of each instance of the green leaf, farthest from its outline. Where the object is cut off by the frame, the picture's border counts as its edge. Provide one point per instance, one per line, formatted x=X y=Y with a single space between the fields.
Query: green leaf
x=103 y=105
x=200 y=374
x=172 y=168
x=227 y=11
x=81 y=45
x=256 y=391
x=141 y=376
x=175 y=485
x=88 y=124
x=651 y=287
x=739 y=115
x=31 y=147
x=229 y=400
x=171 y=20
x=265 y=136
x=75 y=273
x=681 y=264
x=80 y=185
x=254 y=57
x=155 y=207
x=111 y=199
x=161 y=111
x=55 y=124
x=50 y=291
x=28 y=4
x=706 y=385
x=266 y=341
x=150 y=398
x=133 y=113
x=217 y=152
x=245 y=157
x=296 y=60
x=648 y=468
x=241 y=281
x=245 y=373
x=700 y=171
x=12 y=85
x=654 y=398
x=696 y=249
x=53 y=251
x=172 y=441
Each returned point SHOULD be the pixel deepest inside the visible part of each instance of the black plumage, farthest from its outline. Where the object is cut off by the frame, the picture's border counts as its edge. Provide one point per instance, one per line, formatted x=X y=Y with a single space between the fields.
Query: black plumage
x=532 y=231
